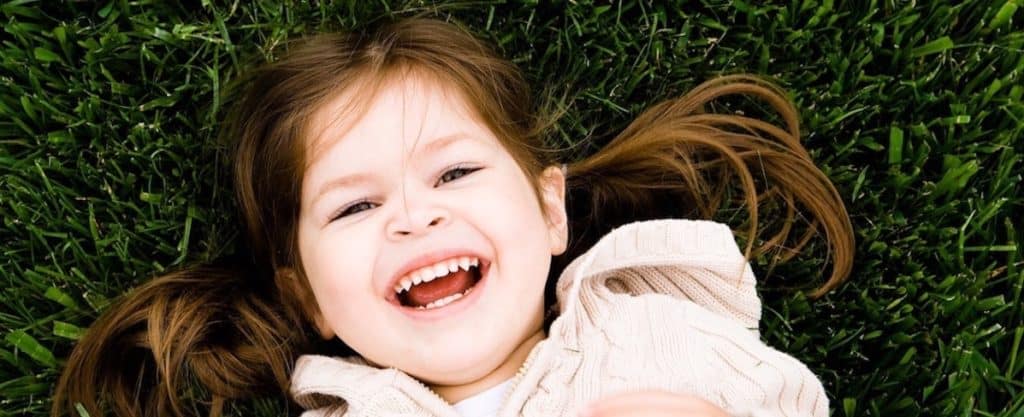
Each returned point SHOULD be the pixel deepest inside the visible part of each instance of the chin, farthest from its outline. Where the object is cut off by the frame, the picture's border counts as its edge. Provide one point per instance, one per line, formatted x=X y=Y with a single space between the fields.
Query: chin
x=460 y=366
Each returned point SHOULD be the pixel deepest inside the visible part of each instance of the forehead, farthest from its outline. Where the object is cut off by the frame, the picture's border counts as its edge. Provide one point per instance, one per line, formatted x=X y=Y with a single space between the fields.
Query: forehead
x=402 y=111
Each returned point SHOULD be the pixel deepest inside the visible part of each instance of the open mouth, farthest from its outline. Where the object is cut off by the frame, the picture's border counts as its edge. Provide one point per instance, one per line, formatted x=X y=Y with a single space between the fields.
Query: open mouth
x=441 y=284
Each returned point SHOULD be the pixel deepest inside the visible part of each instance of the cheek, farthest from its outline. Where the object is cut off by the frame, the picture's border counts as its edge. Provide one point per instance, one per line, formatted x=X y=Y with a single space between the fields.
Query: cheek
x=509 y=209
x=338 y=268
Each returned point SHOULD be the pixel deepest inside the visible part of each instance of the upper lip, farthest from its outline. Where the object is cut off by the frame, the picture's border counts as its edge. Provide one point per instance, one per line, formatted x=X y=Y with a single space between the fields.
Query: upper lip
x=426 y=259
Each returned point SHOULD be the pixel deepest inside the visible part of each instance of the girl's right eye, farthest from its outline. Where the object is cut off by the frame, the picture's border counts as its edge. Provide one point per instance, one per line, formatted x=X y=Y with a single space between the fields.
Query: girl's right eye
x=353 y=209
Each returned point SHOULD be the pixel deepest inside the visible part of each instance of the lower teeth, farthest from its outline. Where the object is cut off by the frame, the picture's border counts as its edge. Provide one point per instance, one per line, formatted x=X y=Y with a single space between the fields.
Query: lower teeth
x=445 y=301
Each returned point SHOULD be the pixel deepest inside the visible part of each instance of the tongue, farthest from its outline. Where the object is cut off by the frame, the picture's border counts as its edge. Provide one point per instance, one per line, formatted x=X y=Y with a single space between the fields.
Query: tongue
x=453 y=283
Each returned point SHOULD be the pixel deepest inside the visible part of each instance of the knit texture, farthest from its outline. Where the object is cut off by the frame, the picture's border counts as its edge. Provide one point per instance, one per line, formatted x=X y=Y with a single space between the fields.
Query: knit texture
x=663 y=304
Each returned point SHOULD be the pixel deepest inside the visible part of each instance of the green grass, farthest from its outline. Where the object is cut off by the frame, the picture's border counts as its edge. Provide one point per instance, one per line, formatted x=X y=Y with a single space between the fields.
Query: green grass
x=108 y=172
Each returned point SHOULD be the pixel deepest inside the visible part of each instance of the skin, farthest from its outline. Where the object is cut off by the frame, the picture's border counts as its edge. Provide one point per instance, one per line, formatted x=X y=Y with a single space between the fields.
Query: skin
x=653 y=404
x=414 y=207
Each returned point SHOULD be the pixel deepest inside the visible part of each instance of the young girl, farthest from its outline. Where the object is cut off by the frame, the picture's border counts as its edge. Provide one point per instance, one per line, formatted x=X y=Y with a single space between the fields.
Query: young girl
x=401 y=206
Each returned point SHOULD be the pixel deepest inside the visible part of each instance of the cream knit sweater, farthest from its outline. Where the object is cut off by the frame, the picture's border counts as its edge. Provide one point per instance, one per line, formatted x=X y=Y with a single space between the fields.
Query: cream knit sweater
x=664 y=304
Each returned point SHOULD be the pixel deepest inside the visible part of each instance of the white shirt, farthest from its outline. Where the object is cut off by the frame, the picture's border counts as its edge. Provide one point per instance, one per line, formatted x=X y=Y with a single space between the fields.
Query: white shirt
x=484 y=404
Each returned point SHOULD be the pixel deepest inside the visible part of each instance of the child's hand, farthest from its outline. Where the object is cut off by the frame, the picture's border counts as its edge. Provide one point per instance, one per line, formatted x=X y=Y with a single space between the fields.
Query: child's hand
x=653 y=404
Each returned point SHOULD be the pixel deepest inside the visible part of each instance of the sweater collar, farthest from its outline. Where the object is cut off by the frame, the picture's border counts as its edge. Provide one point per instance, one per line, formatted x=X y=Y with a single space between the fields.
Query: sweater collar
x=351 y=383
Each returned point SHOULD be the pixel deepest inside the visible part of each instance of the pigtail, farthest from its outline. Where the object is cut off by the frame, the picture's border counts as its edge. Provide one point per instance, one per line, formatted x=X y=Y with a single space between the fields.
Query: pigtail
x=677 y=160
x=218 y=327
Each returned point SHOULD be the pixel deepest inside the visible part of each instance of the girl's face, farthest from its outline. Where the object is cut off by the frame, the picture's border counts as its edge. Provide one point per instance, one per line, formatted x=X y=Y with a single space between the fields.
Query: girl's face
x=418 y=182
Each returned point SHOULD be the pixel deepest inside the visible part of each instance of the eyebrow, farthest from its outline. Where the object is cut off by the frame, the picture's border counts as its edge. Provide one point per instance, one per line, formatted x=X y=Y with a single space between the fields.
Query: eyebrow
x=431 y=147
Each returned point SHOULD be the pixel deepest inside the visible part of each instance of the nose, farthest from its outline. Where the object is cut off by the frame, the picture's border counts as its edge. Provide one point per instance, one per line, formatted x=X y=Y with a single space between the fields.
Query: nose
x=416 y=217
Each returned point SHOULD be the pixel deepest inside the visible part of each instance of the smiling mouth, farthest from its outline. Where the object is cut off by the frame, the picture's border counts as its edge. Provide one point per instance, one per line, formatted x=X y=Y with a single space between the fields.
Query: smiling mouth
x=442 y=290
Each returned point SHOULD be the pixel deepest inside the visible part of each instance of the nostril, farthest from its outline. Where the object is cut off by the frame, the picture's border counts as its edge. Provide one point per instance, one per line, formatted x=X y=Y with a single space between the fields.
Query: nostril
x=410 y=226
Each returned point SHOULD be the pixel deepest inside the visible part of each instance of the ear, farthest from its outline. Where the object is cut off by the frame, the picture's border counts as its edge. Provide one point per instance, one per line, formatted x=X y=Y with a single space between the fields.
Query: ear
x=298 y=290
x=552 y=188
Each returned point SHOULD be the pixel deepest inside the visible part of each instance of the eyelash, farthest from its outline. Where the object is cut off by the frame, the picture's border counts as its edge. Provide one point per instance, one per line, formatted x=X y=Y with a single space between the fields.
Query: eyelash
x=464 y=169
x=347 y=211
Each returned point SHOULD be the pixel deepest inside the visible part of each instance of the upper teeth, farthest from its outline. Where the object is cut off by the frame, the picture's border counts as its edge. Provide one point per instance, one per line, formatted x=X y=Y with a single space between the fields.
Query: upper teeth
x=431 y=272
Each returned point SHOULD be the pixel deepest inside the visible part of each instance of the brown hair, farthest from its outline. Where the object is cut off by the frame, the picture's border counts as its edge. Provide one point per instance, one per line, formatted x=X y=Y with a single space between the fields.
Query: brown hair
x=235 y=328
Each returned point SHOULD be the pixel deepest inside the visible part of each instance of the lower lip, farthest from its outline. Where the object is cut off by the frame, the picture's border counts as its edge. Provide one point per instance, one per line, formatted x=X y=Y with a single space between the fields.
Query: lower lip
x=455 y=307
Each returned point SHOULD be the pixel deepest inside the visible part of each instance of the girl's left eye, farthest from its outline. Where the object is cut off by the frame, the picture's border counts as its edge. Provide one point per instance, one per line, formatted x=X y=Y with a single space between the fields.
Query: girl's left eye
x=454 y=174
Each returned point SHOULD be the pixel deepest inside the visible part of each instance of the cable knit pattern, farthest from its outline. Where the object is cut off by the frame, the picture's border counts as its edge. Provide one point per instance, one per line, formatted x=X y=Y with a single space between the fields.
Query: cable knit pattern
x=662 y=304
